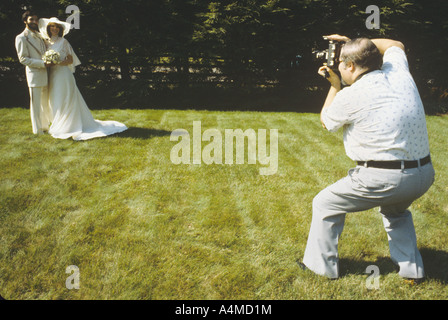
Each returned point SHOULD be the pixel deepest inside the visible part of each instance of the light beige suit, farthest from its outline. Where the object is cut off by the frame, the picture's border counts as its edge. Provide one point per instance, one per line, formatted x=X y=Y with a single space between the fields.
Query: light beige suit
x=30 y=49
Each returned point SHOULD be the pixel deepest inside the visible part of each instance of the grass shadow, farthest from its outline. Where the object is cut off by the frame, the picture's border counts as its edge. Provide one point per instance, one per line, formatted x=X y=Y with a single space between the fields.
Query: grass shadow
x=349 y=266
x=435 y=262
x=142 y=133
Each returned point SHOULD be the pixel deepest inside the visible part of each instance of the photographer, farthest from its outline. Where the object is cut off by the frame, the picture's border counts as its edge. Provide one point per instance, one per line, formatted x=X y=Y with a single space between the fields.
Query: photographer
x=385 y=132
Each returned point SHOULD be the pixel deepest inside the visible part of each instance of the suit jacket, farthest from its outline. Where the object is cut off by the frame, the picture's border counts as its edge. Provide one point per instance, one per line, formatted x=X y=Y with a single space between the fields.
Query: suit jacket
x=30 y=49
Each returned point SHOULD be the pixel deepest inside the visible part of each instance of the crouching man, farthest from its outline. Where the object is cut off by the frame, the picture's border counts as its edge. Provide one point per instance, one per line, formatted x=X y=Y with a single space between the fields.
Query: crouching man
x=385 y=132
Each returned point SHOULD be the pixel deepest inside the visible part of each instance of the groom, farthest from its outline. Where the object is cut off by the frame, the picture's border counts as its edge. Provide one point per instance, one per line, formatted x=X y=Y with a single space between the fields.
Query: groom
x=30 y=48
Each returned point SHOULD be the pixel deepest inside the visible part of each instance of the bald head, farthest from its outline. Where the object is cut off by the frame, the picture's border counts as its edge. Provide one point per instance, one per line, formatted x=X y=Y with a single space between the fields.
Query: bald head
x=363 y=53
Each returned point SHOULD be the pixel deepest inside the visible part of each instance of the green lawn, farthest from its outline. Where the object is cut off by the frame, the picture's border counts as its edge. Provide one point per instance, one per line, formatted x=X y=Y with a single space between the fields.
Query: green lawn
x=139 y=227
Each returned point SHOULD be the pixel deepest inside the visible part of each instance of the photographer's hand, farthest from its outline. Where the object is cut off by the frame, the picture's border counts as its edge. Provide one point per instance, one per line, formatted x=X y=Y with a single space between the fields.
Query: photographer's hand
x=334 y=89
x=332 y=78
x=337 y=37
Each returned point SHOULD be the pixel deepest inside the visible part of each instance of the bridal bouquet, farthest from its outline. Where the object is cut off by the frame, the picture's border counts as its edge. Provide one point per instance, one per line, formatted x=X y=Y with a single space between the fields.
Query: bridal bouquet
x=51 y=56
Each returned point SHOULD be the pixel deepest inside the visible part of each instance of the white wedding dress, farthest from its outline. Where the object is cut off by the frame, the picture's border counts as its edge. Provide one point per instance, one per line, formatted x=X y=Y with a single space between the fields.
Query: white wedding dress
x=71 y=116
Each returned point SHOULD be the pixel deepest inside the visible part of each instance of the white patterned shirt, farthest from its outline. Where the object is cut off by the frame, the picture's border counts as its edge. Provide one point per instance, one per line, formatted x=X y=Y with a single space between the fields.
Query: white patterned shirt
x=381 y=113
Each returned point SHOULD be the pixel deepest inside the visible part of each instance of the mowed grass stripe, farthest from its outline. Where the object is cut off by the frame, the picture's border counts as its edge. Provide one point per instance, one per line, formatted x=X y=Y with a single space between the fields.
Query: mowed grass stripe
x=139 y=227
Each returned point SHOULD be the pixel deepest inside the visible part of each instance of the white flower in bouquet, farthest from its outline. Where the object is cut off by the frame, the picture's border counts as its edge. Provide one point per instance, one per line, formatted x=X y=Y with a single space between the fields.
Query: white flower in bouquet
x=51 y=56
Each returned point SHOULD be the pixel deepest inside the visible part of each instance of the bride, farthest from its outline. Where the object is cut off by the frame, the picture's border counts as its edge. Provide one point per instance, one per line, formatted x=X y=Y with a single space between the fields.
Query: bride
x=71 y=116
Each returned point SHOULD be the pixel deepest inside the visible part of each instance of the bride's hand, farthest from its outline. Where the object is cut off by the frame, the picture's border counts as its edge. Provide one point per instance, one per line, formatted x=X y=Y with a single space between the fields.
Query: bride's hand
x=68 y=60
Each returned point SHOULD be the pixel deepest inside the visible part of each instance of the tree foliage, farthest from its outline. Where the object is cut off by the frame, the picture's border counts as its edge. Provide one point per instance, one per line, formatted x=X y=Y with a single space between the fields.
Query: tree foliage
x=137 y=48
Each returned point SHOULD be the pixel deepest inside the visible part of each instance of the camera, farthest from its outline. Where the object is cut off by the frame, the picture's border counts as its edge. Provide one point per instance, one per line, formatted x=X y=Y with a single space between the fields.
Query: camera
x=331 y=55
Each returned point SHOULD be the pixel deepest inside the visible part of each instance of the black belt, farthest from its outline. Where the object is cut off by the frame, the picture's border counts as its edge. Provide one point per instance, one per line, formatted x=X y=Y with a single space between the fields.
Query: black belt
x=395 y=164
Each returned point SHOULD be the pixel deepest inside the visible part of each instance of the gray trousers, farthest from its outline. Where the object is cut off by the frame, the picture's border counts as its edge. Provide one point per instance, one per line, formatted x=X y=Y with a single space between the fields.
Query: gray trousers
x=363 y=189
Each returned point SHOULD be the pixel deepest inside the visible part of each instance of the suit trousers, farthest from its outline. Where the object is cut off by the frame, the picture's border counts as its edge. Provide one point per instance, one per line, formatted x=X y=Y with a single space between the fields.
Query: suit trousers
x=41 y=115
x=362 y=189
